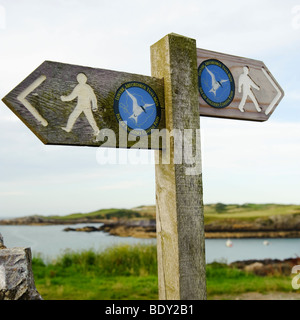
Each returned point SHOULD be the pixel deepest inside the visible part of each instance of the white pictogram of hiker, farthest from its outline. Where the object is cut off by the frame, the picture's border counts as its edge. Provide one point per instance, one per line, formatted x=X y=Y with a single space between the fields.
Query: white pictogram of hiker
x=86 y=102
x=247 y=84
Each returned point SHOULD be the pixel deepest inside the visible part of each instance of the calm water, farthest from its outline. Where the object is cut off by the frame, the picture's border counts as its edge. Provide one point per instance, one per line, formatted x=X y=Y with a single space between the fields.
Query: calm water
x=50 y=241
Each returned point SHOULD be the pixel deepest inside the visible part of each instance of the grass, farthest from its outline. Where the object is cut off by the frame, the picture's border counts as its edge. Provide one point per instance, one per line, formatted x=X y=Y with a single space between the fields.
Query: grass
x=90 y=287
x=224 y=280
x=212 y=212
x=248 y=211
x=130 y=273
x=100 y=214
x=120 y=272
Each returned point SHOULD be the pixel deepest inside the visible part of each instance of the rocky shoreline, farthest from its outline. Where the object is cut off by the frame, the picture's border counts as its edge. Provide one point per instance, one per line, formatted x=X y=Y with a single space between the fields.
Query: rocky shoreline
x=147 y=229
x=267 y=267
x=287 y=226
x=135 y=228
x=277 y=226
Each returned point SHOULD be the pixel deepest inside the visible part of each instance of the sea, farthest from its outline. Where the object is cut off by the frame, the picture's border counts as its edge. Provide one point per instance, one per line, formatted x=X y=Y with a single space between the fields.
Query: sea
x=51 y=241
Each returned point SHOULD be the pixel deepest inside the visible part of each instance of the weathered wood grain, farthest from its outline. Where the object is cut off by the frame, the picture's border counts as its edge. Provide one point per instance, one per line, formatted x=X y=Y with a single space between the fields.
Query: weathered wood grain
x=179 y=205
x=60 y=81
x=264 y=96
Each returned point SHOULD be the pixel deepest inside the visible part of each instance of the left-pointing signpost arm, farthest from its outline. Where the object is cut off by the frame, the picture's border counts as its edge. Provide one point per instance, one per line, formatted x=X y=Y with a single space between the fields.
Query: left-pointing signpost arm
x=22 y=98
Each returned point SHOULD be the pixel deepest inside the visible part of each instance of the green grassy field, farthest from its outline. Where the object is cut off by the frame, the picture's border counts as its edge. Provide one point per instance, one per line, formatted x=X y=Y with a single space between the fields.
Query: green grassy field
x=248 y=211
x=122 y=272
x=212 y=212
x=130 y=273
x=101 y=214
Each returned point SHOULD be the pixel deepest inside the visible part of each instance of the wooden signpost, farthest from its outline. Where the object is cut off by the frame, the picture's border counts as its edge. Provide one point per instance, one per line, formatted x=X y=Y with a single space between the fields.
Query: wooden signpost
x=179 y=203
x=73 y=105
x=235 y=87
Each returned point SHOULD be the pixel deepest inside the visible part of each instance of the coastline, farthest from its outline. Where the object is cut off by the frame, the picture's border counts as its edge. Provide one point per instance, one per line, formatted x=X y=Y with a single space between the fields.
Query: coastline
x=140 y=232
x=147 y=229
x=141 y=223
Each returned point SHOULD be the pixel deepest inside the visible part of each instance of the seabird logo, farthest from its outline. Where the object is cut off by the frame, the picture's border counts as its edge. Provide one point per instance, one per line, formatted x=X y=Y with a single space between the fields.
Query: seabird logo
x=216 y=84
x=137 y=109
x=137 y=104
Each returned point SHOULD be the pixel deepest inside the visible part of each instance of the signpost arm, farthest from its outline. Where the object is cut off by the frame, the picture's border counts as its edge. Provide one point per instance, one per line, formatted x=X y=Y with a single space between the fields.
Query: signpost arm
x=179 y=199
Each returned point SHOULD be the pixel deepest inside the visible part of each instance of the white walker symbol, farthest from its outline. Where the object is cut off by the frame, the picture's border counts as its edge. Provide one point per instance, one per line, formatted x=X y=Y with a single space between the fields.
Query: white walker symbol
x=247 y=84
x=86 y=102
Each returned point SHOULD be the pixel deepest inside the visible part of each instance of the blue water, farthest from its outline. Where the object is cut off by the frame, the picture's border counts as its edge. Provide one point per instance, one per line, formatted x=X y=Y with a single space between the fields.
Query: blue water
x=51 y=241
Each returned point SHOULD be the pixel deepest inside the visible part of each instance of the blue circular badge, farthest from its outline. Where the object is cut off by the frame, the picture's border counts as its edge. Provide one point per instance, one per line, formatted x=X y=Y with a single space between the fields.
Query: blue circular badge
x=216 y=83
x=137 y=105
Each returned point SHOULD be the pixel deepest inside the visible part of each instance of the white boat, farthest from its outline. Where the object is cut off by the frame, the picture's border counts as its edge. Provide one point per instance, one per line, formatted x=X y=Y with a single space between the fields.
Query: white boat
x=229 y=243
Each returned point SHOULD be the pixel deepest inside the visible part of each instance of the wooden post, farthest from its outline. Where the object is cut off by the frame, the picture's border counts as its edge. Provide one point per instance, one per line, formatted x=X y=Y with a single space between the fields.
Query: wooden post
x=179 y=201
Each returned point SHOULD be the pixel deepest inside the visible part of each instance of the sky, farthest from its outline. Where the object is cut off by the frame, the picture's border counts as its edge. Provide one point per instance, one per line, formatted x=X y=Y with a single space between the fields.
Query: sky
x=242 y=161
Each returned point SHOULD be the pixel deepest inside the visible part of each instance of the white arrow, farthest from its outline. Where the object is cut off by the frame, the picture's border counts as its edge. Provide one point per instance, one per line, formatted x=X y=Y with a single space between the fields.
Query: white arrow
x=22 y=98
x=278 y=95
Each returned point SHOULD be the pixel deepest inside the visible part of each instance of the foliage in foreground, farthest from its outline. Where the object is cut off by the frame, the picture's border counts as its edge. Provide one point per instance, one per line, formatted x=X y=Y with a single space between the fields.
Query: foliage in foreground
x=130 y=273
x=120 y=272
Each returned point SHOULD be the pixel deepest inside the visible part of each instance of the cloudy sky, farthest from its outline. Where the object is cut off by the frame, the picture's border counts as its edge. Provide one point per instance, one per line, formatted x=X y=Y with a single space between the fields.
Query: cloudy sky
x=242 y=161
